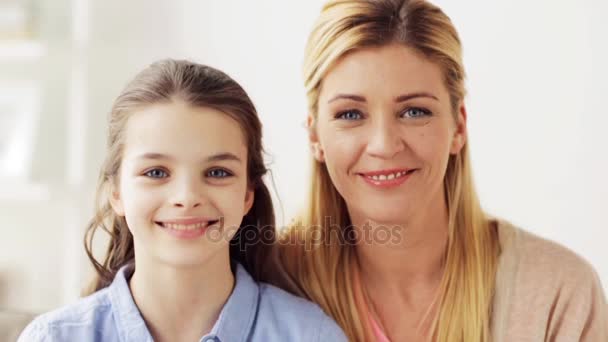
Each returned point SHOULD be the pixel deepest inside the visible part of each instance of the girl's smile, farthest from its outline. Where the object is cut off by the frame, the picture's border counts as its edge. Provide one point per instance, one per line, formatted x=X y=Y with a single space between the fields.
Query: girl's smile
x=187 y=227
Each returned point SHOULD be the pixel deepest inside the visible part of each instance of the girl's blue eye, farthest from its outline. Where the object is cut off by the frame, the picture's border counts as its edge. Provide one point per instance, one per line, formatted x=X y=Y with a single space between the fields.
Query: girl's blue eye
x=416 y=112
x=156 y=173
x=218 y=173
x=349 y=115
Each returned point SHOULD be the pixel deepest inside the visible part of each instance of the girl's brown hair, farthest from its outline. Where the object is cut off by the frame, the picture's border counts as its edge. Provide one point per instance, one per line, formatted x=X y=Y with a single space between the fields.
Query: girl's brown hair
x=200 y=86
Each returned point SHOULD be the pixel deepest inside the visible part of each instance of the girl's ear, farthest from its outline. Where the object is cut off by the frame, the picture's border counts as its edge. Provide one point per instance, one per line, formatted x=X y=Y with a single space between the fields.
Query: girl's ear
x=249 y=196
x=313 y=138
x=115 y=200
x=460 y=134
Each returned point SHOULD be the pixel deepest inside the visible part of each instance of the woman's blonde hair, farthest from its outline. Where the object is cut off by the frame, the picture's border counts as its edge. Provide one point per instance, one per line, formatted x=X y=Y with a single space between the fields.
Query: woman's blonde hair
x=199 y=86
x=323 y=272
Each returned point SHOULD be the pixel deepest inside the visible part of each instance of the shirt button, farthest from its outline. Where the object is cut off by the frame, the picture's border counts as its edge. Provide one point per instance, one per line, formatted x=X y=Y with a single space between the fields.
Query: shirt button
x=211 y=339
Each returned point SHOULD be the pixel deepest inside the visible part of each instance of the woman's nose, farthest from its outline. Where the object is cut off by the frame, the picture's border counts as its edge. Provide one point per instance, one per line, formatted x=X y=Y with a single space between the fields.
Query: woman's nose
x=385 y=140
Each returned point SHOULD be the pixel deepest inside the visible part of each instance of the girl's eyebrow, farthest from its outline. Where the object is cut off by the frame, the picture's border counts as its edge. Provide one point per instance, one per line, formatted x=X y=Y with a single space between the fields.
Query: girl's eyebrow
x=213 y=158
x=223 y=156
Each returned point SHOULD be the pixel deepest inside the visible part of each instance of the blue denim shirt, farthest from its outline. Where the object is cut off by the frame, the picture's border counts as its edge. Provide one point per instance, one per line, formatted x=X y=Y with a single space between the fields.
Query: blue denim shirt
x=253 y=312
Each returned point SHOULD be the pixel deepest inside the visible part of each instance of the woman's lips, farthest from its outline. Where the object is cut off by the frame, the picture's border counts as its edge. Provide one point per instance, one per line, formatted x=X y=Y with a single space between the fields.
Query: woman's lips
x=386 y=178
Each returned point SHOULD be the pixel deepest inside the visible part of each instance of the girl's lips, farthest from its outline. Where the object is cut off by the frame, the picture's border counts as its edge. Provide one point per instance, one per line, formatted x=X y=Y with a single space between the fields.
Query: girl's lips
x=186 y=228
x=188 y=220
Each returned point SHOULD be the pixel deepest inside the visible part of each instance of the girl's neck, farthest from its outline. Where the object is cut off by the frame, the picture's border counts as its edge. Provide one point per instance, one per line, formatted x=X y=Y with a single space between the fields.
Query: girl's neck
x=181 y=303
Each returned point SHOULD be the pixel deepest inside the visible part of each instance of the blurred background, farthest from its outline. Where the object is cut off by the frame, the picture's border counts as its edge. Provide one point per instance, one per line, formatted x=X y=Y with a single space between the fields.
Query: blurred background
x=537 y=114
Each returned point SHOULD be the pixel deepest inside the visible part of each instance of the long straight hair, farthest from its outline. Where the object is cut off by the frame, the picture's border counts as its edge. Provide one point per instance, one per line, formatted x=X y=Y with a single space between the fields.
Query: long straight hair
x=200 y=86
x=324 y=274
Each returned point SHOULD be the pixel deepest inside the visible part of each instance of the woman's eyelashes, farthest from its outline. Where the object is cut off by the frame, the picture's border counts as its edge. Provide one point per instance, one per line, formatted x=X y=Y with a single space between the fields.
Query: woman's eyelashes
x=415 y=112
x=409 y=113
x=156 y=173
x=349 y=115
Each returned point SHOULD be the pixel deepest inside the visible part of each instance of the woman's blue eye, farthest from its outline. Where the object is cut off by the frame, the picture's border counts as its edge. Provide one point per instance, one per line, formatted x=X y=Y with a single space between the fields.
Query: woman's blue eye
x=416 y=112
x=349 y=115
x=218 y=173
x=156 y=173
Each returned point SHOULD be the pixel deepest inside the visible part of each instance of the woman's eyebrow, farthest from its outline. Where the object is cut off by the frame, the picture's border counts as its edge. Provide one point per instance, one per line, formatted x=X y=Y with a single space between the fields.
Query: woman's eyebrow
x=353 y=97
x=400 y=98
x=406 y=97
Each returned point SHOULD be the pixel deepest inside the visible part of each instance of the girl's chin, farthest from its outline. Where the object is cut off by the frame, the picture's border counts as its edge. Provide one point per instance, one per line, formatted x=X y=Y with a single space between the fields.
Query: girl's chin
x=185 y=260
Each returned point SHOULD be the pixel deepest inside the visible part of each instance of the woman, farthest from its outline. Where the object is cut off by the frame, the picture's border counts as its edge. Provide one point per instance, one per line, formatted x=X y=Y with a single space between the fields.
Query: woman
x=394 y=243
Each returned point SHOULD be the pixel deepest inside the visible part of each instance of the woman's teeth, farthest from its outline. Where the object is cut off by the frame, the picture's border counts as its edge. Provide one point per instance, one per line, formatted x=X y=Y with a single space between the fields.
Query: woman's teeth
x=388 y=176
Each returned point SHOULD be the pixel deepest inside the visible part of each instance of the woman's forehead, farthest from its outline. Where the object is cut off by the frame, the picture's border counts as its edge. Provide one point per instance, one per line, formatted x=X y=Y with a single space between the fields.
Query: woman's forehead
x=391 y=70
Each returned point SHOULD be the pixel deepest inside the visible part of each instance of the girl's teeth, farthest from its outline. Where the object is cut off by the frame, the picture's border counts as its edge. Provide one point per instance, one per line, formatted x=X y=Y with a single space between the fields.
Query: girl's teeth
x=183 y=226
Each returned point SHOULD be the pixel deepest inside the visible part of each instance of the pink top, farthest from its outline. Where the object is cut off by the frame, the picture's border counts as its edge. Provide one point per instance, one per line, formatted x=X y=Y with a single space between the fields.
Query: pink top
x=544 y=292
x=377 y=330
x=372 y=324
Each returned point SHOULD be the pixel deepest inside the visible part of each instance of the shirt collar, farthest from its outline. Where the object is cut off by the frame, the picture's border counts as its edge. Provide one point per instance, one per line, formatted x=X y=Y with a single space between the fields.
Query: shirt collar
x=235 y=321
x=129 y=322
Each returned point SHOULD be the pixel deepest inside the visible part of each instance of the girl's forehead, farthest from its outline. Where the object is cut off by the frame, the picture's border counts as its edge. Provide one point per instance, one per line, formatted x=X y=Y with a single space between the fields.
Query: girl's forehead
x=179 y=129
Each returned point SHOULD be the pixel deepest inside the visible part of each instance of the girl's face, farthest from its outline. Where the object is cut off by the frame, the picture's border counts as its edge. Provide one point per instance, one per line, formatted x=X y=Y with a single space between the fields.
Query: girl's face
x=385 y=131
x=183 y=182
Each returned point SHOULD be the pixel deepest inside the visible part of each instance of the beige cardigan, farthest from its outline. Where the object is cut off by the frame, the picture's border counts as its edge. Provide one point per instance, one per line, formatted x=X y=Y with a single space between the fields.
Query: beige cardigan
x=545 y=292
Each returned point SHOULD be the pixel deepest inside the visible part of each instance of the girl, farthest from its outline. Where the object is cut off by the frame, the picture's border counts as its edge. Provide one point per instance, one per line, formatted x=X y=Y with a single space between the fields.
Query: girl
x=182 y=197
x=402 y=246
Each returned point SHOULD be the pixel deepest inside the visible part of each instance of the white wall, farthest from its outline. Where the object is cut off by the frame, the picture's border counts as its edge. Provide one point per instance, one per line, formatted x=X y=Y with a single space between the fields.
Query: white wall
x=536 y=82
x=536 y=118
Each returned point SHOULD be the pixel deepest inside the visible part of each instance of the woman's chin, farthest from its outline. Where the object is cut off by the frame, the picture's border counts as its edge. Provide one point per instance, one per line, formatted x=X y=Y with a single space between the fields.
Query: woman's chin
x=385 y=213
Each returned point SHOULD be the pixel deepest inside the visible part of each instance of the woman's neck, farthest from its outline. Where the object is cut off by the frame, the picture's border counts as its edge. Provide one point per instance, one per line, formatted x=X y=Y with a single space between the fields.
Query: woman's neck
x=181 y=303
x=412 y=258
x=401 y=279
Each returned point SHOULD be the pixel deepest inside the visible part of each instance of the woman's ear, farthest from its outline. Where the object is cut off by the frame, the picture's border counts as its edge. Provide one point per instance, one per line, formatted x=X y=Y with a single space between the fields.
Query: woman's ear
x=115 y=199
x=313 y=138
x=460 y=133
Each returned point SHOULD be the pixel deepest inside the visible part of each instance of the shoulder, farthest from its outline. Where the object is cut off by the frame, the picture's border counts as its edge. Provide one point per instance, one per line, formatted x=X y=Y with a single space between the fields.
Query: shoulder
x=540 y=260
x=544 y=289
x=79 y=319
x=301 y=320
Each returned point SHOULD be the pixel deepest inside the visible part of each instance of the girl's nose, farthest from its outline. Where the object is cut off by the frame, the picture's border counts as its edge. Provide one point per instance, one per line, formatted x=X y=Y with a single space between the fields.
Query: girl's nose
x=188 y=194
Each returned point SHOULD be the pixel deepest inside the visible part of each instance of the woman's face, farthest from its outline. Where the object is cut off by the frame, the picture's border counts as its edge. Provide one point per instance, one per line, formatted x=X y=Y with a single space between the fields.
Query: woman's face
x=385 y=130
